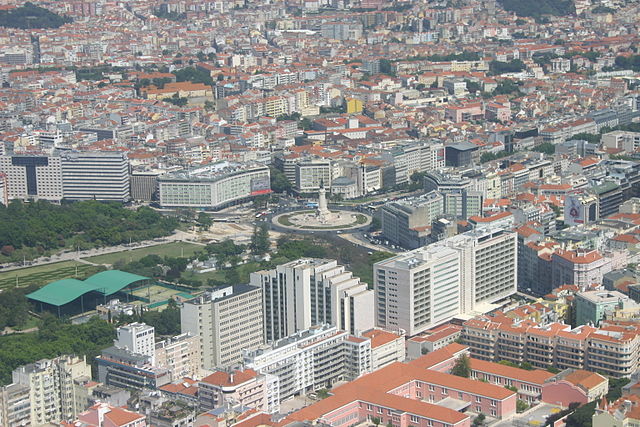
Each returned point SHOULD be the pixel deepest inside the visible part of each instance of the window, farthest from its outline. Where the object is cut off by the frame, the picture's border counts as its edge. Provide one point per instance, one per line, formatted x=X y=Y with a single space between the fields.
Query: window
x=493 y=412
x=478 y=399
x=493 y=403
x=380 y=411
x=478 y=409
x=414 y=419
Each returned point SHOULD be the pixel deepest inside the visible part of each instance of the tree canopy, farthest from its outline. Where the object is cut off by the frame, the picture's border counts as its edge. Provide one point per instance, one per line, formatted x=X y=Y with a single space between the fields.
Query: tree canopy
x=31 y=16
x=462 y=367
x=32 y=229
x=538 y=8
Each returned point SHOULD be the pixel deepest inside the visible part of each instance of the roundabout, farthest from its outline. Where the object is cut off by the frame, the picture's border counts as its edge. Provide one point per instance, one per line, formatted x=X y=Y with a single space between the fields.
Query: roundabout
x=322 y=218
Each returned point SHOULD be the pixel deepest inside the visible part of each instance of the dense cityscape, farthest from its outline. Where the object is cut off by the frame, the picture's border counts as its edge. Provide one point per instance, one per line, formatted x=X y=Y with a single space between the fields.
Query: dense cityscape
x=334 y=213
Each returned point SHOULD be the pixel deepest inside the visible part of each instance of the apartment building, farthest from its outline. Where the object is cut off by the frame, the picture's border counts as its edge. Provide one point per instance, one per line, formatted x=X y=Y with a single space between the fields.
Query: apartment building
x=410 y=157
x=95 y=175
x=138 y=338
x=15 y=405
x=312 y=359
x=226 y=321
x=311 y=291
x=311 y=174
x=180 y=355
x=386 y=347
x=611 y=349
x=578 y=267
x=244 y=386
x=106 y=415
x=53 y=394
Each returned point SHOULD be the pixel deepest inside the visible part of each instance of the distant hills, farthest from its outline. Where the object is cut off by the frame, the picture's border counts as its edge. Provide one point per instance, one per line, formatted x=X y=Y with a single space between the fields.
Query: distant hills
x=31 y=16
x=537 y=8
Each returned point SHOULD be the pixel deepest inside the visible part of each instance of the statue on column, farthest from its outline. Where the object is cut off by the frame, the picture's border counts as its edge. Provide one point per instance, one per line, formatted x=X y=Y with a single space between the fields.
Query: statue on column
x=323 y=214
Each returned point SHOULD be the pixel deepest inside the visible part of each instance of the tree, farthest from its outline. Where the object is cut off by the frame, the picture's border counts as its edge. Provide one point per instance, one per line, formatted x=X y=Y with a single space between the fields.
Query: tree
x=582 y=416
x=204 y=221
x=260 y=240
x=546 y=148
x=279 y=181
x=521 y=406
x=513 y=66
x=462 y=367
x=479 y=420
x=375 y=420
x=209 y=106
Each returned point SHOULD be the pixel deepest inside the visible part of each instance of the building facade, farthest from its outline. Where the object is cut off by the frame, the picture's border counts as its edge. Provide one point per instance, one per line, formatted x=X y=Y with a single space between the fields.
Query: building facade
x=226 y=322
x=95 y=175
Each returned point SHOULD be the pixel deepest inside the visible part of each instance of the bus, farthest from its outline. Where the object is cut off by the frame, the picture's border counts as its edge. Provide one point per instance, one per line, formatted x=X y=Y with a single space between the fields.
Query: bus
x=311 y=205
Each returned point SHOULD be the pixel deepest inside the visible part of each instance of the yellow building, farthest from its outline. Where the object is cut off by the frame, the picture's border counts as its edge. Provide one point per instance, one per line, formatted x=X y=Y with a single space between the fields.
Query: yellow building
x=354 y=106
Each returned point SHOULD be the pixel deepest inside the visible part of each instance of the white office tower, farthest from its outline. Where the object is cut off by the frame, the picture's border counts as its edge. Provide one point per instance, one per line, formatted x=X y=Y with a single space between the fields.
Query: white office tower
x=418 y=289
x=31 y=177
x=428 y=286
x=138 y=338
x=99 y=175
x=310 y=291
x=226 y=321
x=490 y=266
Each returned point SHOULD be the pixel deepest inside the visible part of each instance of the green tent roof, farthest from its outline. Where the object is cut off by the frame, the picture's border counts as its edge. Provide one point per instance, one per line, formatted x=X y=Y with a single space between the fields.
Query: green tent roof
x=64 y=291
x=111 y=281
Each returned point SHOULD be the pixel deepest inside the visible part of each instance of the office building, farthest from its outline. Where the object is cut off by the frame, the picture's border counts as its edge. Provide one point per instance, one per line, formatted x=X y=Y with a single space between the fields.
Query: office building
x=312 y=359
x=407 y=222
x=310 y=175
x=144 y=185
x=226 y=321
x=95 y=175
x=463 y=196
x=53 y=394
x=32 y=177
x=121 y=368
x=417 y=290
x=423 y=288
x=213 y=186
x=310 y=291
x=137 y=338
x=410 y=157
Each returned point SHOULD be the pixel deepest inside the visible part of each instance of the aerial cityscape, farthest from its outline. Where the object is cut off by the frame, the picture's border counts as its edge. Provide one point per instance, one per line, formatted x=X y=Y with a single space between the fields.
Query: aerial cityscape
x=332 y=213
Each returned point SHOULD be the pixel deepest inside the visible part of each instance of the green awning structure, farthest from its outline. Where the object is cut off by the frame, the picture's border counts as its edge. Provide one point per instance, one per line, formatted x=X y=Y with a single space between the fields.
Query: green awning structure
x=64 y=291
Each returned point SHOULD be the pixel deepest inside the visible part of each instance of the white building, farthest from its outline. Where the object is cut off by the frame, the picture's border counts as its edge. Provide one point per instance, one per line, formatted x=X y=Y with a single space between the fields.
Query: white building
x=138 y=338
x=386 y=347
x=32 y=177
x=311 y=174
x=312 y=359
x=99 y=175
x=428 y=286
x=417 y=290
x=213 y=186
x=310 y=291
x=226 y=322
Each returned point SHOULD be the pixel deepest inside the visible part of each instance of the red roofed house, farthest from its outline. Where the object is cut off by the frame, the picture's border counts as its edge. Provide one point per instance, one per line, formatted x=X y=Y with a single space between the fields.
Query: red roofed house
x=577 y=386
x=386 y=347
x=105 y=415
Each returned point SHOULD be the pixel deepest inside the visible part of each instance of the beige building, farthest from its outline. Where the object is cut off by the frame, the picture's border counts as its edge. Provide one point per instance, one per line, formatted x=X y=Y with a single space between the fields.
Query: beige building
x=54 y=391
x=386 y=347
x=226 y=322
x=15 y=405
x=245 y=387
x=180 y=355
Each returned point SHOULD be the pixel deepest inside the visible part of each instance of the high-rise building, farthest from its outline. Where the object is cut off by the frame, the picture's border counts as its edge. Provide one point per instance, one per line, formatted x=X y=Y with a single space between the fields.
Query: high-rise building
x=310 y=291
x=100 y=175
x=423 y=288
x=226 y=321
x=406 y=222
x=32 y=177
x=53 y=392
x=138 y=338
x=417 y=290
x=180 y=355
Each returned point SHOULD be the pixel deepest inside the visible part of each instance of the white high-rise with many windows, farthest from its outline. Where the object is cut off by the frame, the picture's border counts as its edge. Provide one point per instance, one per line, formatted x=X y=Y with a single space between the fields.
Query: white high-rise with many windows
x=428 y=286
x=99 y=175
x=138 y=338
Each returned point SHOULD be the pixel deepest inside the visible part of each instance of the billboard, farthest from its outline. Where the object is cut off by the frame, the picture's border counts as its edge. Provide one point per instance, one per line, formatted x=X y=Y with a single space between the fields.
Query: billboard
x=573 y=210
x=260 y=185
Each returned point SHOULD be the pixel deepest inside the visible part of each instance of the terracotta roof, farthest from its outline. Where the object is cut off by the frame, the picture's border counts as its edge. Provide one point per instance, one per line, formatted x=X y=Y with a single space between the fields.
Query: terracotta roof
x=585 y=379
x=379 y=337
x=225 y=379
x=536 y=376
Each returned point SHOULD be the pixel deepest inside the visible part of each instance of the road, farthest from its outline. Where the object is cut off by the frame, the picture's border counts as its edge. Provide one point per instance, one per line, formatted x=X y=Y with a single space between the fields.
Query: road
x=177 y=236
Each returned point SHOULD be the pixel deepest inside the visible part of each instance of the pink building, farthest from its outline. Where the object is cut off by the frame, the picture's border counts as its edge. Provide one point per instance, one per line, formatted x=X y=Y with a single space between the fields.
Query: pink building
x=528 y=383
x=464 y=113
x=578 y=386
x=404 y=394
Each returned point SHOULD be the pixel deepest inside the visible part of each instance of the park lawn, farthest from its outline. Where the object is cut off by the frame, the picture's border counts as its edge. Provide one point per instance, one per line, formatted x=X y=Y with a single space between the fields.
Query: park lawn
x=46 y=273
x=173 y=250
